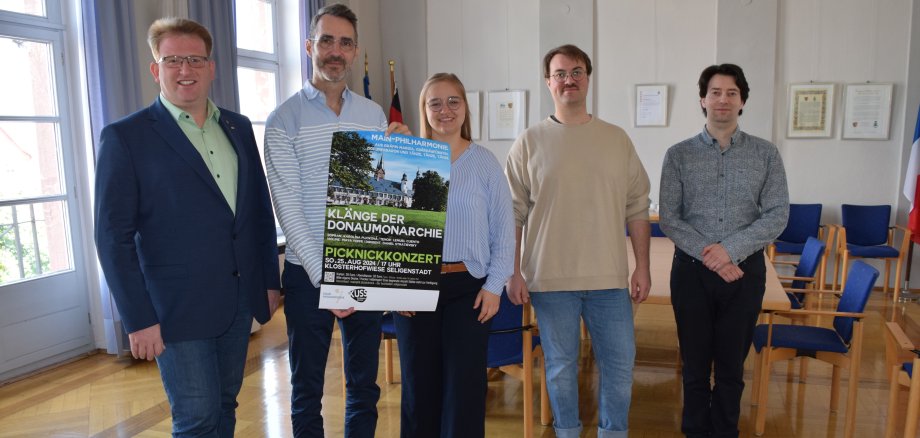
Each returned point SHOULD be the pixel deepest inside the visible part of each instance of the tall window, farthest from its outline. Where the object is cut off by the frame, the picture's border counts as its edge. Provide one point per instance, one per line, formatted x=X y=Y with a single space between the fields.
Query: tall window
x=44 y=299
x=34 y=199
x=258 y=66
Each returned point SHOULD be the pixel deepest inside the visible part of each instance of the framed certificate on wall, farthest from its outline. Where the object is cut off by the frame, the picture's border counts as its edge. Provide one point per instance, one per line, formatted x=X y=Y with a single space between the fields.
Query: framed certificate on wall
x=811 y=110
x=507 y=114
x=867 y=111
x=651 y=105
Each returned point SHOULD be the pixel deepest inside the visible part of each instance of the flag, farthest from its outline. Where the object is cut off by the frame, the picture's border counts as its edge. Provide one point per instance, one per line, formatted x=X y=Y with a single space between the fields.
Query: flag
x=395 y=109
x=367 y=85
x=912 y=185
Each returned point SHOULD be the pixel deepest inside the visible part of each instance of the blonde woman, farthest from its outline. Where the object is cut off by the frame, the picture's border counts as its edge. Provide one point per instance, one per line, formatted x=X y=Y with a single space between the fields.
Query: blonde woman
x=443 y=353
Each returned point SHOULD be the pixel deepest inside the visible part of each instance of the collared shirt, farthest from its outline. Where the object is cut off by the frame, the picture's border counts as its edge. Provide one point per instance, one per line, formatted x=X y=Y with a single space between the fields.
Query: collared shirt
x=298 y=140
x=480 y=226
x=212 y=143
x=737 y=197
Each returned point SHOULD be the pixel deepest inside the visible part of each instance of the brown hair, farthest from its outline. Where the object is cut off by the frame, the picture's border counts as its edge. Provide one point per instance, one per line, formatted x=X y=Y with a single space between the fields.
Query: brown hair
x=726 y=70
x=570 y=51
x=424 y=126
x=172 y=25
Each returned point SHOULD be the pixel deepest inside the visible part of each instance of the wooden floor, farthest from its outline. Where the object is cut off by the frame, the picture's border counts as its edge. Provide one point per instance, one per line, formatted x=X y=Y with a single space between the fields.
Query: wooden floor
x=104 y=396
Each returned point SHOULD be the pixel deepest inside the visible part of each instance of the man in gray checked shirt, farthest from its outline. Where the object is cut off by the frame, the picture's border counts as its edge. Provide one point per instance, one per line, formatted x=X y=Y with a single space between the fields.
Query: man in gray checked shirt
x=723 y=199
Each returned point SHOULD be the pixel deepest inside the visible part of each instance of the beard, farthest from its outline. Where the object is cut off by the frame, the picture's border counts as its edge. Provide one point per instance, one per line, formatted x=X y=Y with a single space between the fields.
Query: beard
x=332 y=73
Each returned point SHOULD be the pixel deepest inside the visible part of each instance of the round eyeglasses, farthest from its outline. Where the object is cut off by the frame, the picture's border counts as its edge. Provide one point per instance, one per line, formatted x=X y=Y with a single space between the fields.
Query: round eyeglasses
x=561 y=76
x=436 y=105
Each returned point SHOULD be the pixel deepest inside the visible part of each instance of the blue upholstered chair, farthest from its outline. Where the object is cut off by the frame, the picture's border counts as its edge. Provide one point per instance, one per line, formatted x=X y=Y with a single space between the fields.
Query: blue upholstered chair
x=865 y=234
x=512 y=350
x=808 y=275
x=806 y=272
x=903 y=360
x=839 y=346
x=804 y=222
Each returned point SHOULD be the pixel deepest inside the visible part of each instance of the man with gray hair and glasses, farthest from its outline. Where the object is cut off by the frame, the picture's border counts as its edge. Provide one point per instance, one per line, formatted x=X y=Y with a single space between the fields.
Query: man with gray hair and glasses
x=298 y=140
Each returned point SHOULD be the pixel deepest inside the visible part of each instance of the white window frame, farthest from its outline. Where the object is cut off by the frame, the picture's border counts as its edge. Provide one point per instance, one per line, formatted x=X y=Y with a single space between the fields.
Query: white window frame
x=265 y=61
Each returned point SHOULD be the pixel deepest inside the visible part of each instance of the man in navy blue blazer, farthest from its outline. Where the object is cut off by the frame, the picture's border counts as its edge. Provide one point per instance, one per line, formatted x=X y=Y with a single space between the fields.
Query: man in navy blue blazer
x=185 y=232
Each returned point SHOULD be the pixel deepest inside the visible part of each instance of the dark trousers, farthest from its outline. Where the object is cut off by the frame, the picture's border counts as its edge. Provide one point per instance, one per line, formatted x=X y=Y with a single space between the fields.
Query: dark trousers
x=309 y=334
x=715 y=325
x=443 y=359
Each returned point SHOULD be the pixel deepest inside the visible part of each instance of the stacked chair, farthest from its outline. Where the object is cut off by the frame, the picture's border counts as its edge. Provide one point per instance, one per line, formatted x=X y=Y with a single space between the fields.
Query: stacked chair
x=841 y=346
x=903 y=360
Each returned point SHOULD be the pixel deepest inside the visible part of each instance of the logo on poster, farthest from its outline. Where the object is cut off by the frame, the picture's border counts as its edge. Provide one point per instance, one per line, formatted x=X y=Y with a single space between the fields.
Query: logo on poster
x=359 y=295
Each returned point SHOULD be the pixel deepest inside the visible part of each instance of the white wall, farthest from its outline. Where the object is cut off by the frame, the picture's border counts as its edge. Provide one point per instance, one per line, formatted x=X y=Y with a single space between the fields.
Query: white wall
x=661 y=42
x=843 y=41
x=491 y=45
x=396 y=32
x=565 y=22
x=407 y=45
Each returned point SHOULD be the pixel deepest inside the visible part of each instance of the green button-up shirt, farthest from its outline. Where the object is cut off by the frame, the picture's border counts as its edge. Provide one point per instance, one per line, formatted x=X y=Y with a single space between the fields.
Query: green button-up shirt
x=213 y=145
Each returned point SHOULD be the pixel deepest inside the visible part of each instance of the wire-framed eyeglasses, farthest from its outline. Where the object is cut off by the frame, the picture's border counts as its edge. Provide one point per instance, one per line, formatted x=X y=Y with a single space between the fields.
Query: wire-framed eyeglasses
x=576 y=75
x=174 y=61
x=436 y=105
x=327 y=42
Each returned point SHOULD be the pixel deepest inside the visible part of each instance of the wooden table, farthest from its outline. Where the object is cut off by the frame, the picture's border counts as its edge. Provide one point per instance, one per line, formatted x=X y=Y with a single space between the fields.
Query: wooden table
x=661 y=254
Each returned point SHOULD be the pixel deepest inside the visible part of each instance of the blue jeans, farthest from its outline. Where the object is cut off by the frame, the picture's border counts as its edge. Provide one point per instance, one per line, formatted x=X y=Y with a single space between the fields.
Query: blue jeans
x=203 y=377
x=309 y=335
x=608 y=317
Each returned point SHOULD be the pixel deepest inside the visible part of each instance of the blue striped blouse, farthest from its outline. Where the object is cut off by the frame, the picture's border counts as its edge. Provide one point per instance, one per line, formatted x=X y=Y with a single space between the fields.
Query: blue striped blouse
x=480 y=224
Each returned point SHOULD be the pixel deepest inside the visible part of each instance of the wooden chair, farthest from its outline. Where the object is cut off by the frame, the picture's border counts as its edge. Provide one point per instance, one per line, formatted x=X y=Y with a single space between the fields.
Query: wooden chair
x=903 y=360
x=807 y=276
x=388 y=333
x=512 y=350
x=840 y=346
x=807 y=272
x=827 y=236
x=865 y=234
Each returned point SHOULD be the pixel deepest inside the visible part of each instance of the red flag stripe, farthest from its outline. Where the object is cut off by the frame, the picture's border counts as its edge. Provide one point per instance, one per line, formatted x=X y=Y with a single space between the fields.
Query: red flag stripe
x=913 y=221
x=395 y=109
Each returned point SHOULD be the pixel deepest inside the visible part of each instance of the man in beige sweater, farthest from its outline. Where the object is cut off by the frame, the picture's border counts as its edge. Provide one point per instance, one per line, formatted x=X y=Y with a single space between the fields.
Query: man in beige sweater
x=576 y=181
